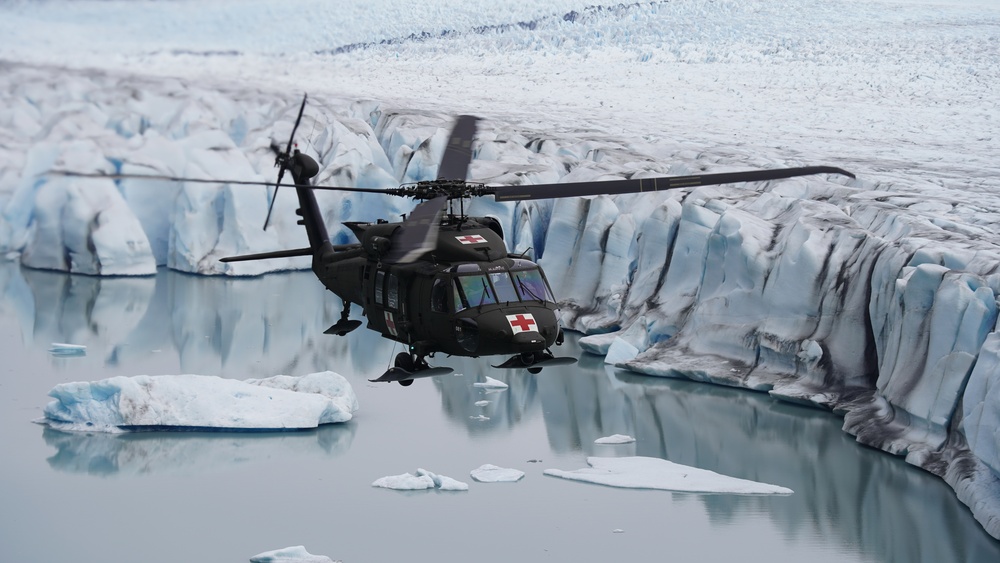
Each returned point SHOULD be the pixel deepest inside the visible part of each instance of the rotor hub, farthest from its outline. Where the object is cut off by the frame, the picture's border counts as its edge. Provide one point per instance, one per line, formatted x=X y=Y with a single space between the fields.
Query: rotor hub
x=452 y=189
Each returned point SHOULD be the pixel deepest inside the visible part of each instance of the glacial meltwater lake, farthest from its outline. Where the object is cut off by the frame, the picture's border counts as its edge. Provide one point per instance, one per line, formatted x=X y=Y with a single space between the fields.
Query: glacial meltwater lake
x=223 y=497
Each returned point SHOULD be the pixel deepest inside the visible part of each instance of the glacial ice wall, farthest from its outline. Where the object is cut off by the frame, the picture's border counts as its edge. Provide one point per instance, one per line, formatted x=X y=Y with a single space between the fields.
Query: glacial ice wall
x=881 y=312
x=845 y=294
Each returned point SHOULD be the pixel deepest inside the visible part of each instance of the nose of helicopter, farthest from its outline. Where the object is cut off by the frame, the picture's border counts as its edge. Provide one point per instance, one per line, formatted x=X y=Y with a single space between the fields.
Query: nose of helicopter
x=505 y=331
x=528 y=341
x=528 y=330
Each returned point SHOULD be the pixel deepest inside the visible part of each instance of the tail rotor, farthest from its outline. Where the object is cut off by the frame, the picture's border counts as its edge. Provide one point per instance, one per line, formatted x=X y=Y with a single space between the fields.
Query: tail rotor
x=282 y=159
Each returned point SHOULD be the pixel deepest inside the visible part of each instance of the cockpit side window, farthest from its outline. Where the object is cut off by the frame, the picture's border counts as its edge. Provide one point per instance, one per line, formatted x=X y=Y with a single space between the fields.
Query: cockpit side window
x=439 y=296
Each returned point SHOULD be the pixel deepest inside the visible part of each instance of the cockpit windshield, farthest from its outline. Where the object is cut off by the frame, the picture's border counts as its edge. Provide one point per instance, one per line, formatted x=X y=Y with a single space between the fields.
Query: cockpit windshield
x=523 y=282
x=473 y=291
x=530 y=285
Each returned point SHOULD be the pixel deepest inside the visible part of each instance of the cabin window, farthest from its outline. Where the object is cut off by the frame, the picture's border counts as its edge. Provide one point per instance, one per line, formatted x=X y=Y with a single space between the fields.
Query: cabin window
x=392 y=297
x=439 y=296
x=379 y=283
x=503 y=287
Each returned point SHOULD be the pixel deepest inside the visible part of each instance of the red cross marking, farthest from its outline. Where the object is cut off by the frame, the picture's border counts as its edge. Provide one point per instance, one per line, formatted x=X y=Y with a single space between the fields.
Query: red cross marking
x=471 y=239
x=521 y=323
x=390 y=323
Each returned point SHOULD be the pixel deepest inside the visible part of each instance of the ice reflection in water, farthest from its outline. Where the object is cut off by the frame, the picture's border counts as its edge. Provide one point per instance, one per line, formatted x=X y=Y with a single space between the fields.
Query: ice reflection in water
x=189 y=453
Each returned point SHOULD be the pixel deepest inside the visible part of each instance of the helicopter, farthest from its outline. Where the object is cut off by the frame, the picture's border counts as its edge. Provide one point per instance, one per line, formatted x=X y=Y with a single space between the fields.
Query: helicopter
x=439 y=280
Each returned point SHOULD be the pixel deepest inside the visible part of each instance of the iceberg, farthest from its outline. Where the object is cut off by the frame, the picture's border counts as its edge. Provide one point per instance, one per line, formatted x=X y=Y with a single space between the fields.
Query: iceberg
x=653 y=473
x=145 y=402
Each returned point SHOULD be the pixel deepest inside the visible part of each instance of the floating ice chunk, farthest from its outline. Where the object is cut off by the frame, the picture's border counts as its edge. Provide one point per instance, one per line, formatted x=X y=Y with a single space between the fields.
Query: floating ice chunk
x=489 y=473
x=482 y=403
x=295 y=554
x=124 y=403
x=421 y=481
x=62 y=349
x=628 y=343
x=490 y=383
x=480 y=417
x=615 y=439
x=597 y=343
x=620 y=351
x=404 y=482
x=443 y=482
x=654 y=473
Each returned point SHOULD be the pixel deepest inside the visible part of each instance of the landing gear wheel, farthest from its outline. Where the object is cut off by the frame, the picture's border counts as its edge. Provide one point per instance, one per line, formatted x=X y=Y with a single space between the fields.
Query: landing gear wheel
x=534 y=370
x=404 y=361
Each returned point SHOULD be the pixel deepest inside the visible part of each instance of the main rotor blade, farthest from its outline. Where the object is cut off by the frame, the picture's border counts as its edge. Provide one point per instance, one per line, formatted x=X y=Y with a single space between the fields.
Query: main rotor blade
x=418 y=233
x=639 y=185
x=72 y=174
x=283 y=158
x=458 y=153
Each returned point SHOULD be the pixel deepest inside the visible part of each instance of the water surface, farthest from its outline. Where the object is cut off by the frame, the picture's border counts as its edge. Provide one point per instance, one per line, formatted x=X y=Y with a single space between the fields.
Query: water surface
x=224 y=497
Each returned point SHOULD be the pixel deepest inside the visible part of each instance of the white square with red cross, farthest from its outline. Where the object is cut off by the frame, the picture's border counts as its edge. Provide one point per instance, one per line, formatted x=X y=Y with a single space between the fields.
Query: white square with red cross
x=522 y=322
x=471 y=239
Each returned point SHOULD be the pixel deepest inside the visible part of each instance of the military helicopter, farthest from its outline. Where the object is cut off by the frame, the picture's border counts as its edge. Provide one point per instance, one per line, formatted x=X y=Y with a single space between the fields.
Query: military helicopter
x=440 y=281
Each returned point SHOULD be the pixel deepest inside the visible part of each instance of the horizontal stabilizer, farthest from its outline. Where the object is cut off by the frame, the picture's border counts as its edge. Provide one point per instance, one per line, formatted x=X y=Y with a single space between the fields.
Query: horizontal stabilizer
x=342 y=327
x=400 y=374
x=518 y=362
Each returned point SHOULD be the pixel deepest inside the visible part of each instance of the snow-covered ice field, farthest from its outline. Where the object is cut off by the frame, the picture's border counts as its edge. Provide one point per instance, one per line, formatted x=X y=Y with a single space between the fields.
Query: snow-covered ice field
x=875 y=296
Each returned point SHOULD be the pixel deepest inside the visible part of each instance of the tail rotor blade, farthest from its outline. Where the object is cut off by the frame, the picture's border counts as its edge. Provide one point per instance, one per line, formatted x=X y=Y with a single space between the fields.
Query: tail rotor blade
x=458 y=153
x=270 y=206
x=282 y=160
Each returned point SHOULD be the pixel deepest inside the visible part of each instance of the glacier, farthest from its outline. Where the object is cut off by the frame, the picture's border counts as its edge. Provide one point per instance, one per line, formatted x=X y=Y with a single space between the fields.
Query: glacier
x=875 y=298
